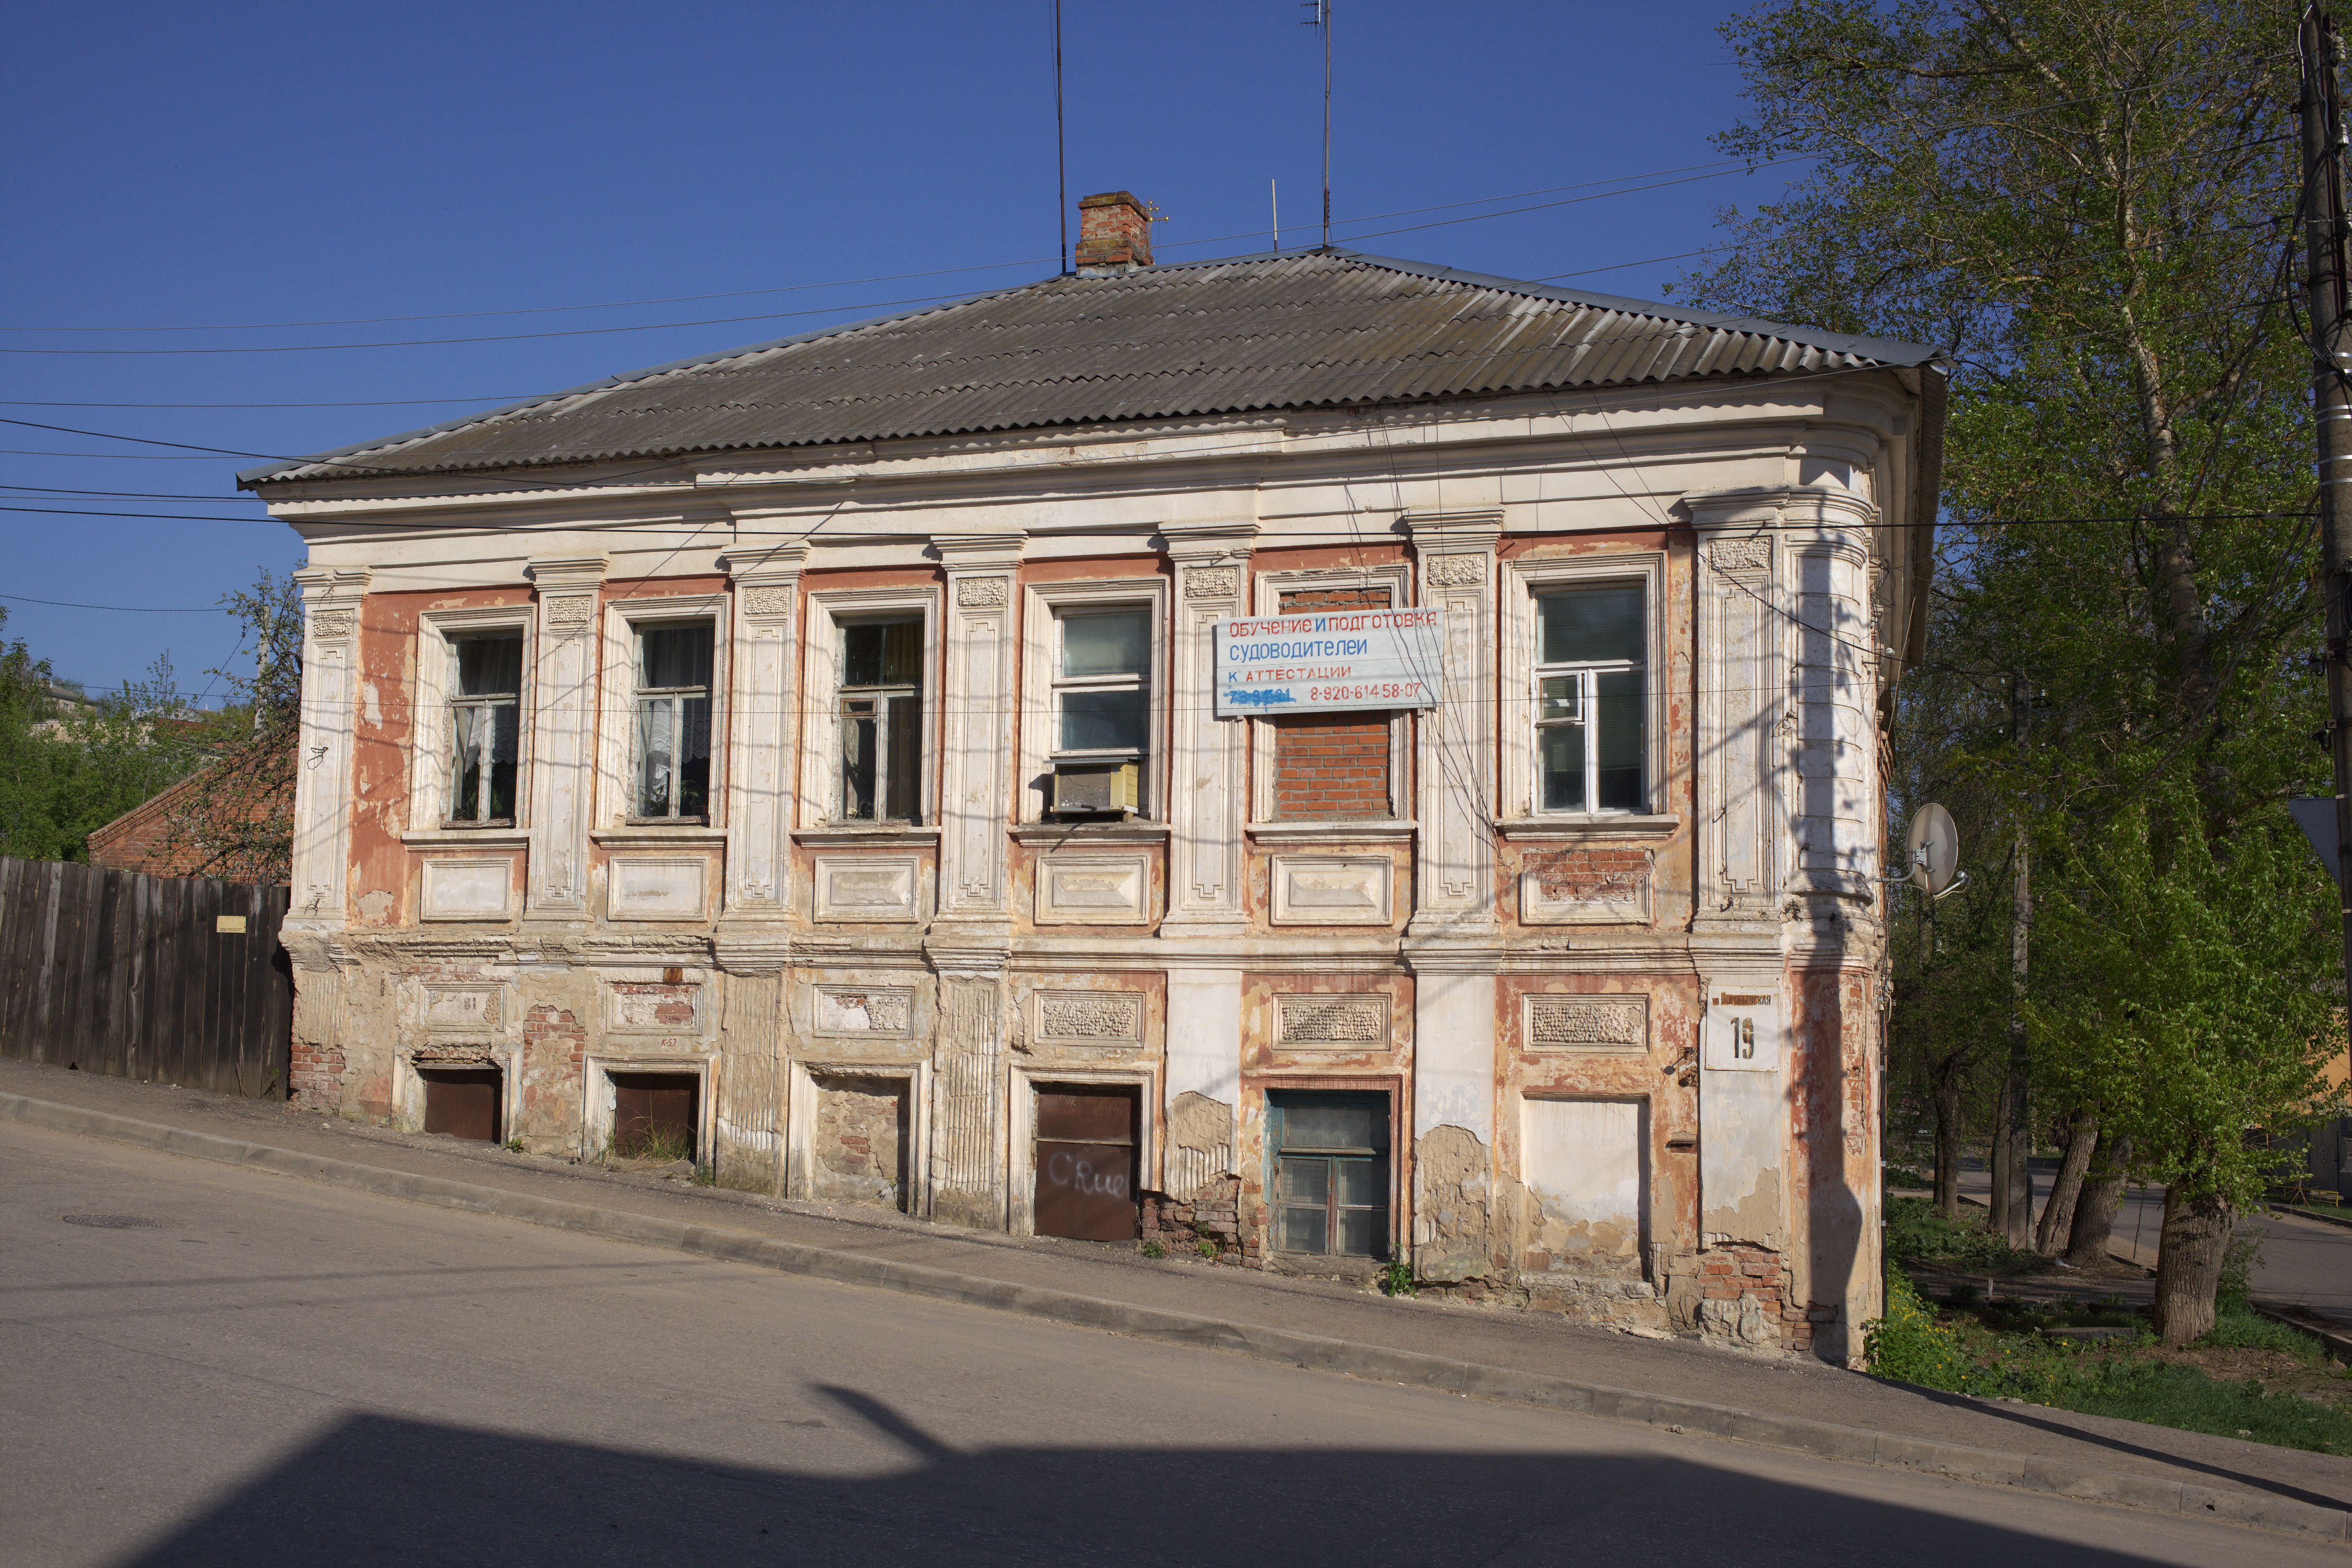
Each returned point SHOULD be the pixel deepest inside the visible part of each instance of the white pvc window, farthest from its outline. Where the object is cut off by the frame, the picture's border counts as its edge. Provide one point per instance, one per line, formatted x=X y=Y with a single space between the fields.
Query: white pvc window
x=1102 y=687
x=1589 y=743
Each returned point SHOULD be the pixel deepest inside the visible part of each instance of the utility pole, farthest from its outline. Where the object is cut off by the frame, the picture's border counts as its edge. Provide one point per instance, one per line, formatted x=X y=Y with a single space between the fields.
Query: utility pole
x=2324 y=234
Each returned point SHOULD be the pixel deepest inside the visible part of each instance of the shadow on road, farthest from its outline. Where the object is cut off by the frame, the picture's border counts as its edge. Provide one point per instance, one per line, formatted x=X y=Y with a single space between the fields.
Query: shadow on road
x=378 y=1490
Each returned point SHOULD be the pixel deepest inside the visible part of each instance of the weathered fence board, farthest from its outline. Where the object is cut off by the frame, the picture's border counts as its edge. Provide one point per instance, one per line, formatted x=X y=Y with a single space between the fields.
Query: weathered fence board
x=131 y=975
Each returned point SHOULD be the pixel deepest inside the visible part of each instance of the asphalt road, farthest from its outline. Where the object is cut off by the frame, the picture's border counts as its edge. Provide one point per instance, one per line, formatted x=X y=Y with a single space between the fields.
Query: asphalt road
x=200 y=1365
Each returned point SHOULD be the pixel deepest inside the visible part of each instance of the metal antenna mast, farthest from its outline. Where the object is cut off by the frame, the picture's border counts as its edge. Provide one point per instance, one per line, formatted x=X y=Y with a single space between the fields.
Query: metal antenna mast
x=1061 y=145
x=1322 y=18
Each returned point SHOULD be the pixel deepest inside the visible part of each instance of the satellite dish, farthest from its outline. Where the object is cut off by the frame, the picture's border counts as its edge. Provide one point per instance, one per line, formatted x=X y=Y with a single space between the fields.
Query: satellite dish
x=1935 y=846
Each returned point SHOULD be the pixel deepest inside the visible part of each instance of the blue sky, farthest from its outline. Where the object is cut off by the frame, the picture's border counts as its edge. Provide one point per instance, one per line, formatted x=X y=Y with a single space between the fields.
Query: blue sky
x=229 y=166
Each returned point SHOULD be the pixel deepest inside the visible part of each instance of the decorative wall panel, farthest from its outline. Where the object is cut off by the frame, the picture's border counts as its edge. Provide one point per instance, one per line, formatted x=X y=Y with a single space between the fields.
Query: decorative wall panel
x=479 y=887
x=868 y=886
x=1332 y=889
x=1094 y=889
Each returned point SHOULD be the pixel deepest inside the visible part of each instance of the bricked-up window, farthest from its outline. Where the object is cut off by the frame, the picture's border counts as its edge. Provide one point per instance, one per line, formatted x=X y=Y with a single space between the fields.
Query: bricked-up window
x=1331 y=1173
x=1588 y=688
x=1102 y=689
x=485 y=731
x=671 y=769
x=881 y=714
x=1331 y=767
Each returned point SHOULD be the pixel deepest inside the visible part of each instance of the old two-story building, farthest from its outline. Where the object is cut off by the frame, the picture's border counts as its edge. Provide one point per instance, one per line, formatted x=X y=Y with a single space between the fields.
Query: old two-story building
x=817 y=754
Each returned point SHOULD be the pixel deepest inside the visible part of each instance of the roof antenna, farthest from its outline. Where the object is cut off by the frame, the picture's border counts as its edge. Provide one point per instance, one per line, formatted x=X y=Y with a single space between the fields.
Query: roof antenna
x=1061 y=146
x=1322 y=18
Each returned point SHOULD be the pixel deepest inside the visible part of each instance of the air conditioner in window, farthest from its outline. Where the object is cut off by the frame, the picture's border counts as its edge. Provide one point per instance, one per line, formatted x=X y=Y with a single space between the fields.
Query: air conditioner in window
x=1096 y=789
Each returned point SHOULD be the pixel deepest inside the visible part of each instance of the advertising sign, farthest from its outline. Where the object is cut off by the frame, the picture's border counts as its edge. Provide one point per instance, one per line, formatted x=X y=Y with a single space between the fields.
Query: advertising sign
x=1327 y=661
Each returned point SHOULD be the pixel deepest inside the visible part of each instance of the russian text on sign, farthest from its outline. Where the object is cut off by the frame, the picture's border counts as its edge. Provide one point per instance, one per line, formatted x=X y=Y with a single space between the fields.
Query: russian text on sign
x=1328 y=662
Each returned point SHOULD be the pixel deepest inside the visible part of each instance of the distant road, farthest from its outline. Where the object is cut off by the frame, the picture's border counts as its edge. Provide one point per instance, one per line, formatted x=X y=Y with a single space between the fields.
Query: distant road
x=2303 y=1262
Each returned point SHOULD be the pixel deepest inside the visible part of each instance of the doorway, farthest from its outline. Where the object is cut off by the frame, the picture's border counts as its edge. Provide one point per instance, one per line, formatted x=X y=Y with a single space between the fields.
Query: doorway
x=1086 y=1160
x=654 y=1115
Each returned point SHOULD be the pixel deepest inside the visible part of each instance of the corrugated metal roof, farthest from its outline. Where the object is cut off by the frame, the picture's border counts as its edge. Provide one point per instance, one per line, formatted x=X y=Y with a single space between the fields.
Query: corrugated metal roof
x=1201 y=338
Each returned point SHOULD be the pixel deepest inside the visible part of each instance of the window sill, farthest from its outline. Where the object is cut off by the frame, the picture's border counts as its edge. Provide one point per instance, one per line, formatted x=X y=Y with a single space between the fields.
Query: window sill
x=880 y=833
x=1085 y=831
x=1599 y=825
x=472 y=838
x=1371 y=830
x=695 y=834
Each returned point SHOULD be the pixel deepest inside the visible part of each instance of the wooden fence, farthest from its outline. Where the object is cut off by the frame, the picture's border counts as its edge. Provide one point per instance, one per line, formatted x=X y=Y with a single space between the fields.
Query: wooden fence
x=169 y=979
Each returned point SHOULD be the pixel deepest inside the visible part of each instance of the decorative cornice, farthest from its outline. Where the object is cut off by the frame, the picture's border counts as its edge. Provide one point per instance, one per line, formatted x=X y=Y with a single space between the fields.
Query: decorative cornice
x=550 y=574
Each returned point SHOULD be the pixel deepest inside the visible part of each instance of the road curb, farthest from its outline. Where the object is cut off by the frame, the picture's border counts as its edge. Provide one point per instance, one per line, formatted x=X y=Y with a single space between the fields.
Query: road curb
x=1821 y=1439
x=2305 y=1213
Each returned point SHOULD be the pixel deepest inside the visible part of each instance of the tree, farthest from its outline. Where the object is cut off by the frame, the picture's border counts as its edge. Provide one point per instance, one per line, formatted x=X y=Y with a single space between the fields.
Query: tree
x=2094 y=206
x=2197 y=1000
x=71 y=764
x=241 y=825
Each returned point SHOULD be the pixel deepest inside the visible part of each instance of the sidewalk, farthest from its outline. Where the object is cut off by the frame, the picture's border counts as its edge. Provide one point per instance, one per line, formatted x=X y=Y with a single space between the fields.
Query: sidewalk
x=1269 y=1316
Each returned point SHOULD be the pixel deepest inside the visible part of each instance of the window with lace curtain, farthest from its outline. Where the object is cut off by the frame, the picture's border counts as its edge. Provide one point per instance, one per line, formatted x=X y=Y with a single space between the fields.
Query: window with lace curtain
x=670 y=756
x=485 y=731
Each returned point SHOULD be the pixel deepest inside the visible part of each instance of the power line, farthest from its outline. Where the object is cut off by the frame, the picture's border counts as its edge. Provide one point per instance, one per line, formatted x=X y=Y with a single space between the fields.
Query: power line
x=126 y=609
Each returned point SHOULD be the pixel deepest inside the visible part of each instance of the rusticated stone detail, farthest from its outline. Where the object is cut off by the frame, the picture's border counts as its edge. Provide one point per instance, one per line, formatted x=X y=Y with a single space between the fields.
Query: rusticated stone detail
x=1088 y=1015
x=1457 y=570
x=1211 y=583
x=981 y=593
x=1330 y=1020
x=767 y=602
x=1567 y=1023
x=330 y=624
x=1753 y=553
x=571 y=612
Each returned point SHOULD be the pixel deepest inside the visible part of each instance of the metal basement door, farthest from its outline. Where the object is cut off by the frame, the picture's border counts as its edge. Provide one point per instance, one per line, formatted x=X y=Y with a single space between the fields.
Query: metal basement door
x=462 y=1102
x=1086 y=1162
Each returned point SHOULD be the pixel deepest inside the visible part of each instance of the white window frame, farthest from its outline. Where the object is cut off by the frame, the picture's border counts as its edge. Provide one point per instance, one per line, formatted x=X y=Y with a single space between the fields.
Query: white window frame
x=617 y=711
x=1267 y=600
x=1042 y=609
x=438 y=632
x=1529 y=579
x=820 y=771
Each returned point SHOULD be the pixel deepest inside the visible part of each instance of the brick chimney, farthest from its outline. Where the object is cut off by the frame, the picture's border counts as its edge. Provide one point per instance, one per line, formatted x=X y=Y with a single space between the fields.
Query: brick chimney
x=1114 y=234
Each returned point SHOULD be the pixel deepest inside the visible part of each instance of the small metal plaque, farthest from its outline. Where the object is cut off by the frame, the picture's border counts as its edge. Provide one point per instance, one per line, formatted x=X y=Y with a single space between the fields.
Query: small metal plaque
x=230 y=925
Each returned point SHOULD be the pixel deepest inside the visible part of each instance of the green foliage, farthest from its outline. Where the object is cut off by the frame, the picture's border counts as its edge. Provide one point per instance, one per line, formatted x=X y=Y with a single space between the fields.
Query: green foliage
x=1396 y=1277
x=1908 y=1345
x=1912 y=1344
x=1905 y=1176
x=1917 y=1233
x=2237 y=1326
x=1207 y=1248
x=1153 y=1249
x=69 y=764
x=2190 y=997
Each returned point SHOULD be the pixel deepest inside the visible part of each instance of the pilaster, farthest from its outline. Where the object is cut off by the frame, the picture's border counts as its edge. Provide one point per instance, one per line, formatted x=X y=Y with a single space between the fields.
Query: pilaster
x=1454 y=880
x=1746 y=734
x=762 y=729
x=563 y=745
x=1208 y=789
x=976 y=726
x=968 y=1155
x=322 y=783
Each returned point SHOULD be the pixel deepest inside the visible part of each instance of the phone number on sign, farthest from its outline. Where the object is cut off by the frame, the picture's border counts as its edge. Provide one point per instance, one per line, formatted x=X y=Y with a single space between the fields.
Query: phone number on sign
x=1401 y=690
